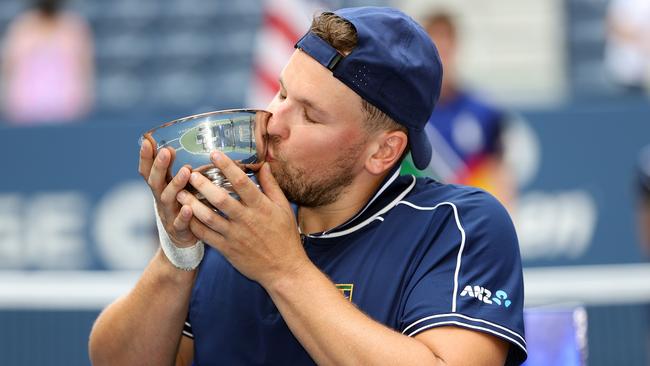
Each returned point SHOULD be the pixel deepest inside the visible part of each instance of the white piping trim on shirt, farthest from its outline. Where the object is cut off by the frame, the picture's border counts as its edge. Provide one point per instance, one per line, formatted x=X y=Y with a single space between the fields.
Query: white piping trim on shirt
x=186 y=332
x=468 y=318
x=381 y=190
x=371 y=218
x=472 y=327
x=460 y=250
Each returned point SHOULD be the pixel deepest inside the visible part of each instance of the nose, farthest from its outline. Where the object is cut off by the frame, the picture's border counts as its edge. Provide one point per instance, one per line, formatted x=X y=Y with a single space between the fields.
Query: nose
x=278 y=125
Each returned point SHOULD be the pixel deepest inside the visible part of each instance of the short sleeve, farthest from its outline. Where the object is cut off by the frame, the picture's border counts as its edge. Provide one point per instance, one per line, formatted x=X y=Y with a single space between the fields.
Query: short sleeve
x=187 y=329
x=470 y=274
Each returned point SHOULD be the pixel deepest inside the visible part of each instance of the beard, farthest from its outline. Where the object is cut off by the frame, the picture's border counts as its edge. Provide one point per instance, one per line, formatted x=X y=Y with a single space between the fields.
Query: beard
x=320 y=187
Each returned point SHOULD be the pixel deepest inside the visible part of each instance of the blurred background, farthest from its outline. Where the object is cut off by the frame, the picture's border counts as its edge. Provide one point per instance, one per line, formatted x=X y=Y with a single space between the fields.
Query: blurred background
x=568 y=82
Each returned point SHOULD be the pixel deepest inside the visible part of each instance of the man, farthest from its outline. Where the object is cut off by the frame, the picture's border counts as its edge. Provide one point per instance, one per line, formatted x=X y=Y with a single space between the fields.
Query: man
x=370 y=268
x=643 y=218
x=465 y=131
x=47 y=66
x=643 y=188
x=627 y=45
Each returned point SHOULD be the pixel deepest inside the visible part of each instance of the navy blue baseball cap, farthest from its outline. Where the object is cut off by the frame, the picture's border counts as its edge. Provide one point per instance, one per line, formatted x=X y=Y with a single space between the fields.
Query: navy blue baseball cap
x=395 y=67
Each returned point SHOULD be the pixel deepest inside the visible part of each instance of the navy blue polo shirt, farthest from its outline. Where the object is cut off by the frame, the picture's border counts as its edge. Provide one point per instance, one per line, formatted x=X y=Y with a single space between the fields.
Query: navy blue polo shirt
x=419 y=255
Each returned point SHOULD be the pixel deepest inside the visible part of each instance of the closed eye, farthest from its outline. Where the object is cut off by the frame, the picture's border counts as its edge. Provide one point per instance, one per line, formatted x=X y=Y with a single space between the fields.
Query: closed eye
x=307 y=117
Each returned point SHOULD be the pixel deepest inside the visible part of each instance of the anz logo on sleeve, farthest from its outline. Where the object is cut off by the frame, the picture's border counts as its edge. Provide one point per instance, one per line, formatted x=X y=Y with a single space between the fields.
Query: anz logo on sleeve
x=481 y=293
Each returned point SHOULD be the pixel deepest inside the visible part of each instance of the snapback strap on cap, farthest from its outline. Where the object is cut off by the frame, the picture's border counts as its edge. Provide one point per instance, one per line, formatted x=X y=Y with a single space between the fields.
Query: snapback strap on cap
x=319 y=50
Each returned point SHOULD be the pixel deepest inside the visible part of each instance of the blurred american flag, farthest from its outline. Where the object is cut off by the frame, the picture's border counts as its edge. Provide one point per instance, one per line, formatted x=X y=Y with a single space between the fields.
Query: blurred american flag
x=284 y=22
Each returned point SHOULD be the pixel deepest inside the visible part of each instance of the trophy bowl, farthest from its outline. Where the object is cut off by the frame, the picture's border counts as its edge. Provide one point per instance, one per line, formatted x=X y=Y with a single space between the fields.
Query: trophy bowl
x=238 y=133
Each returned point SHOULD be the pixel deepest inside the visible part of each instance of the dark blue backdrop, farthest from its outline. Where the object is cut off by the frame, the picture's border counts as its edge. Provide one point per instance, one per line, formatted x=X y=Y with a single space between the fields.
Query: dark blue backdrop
x=71 y=198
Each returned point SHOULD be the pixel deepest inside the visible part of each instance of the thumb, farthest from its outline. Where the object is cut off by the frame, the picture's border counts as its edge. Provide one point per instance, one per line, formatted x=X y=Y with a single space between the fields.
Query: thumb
x=270 y=186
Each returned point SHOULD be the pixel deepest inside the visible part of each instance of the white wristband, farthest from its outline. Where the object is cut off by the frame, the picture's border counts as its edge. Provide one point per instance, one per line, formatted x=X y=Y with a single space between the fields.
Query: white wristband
x=186 y=259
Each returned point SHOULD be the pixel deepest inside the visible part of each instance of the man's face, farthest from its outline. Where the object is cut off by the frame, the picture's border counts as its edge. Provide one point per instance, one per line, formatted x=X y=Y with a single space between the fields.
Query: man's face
x=445 y=39
x=316 y=136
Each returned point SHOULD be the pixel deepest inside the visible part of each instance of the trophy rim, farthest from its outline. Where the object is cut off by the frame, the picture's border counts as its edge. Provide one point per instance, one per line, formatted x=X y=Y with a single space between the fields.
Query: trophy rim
x=148 y=134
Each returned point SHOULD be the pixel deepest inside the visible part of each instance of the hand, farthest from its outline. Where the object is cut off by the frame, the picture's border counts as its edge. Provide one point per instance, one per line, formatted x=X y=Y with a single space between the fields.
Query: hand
x=156 y=172
x=258 y=235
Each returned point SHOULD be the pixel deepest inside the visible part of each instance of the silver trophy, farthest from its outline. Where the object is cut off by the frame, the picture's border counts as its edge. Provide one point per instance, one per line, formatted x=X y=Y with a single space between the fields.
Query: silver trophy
x=238 y=133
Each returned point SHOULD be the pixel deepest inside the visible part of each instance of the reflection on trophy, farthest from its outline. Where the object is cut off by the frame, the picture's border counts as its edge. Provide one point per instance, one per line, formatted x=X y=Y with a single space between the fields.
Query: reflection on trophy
x=238 y=133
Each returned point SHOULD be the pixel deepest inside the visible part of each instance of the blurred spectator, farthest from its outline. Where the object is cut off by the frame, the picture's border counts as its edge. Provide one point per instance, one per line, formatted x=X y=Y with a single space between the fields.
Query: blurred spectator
x=643 y=217
x=644 y=199
x=47 y=66
x=465 y=132
x=627 y=53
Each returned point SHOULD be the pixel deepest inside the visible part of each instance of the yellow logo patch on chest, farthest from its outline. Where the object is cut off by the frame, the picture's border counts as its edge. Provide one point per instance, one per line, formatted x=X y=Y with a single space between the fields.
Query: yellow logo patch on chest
x=346 y=289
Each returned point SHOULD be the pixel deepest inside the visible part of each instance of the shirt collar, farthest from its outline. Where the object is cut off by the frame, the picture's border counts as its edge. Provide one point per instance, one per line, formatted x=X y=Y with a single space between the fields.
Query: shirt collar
x=392 y=190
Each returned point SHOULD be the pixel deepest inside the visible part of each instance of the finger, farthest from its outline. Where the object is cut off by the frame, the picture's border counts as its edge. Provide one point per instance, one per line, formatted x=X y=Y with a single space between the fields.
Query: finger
x=270 y=186
x=172 y=153
x=146 y=158
x=178 y=183
x=217 y=196
x=158 y=172
x=248 y=192
x=210 y=237
x=203 y=213
x=181 y=225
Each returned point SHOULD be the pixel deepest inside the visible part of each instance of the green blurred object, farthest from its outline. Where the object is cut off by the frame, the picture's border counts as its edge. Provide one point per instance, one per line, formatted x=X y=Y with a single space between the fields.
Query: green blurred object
x=408 y=167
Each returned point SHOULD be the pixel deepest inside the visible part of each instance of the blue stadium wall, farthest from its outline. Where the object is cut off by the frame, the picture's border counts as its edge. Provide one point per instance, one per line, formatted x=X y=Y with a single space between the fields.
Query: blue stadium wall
x=592 y=149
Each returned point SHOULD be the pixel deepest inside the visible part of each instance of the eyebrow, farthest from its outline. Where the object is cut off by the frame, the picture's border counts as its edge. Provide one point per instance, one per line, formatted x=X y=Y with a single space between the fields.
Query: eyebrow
x=305 y=102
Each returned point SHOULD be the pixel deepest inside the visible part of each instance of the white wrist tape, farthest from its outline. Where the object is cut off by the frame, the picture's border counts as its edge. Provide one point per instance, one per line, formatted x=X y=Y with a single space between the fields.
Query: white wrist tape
x=186 y=259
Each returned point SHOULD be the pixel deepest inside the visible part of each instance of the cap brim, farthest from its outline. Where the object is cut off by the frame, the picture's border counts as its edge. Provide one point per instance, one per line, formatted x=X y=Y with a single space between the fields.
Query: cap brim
x=420 y=148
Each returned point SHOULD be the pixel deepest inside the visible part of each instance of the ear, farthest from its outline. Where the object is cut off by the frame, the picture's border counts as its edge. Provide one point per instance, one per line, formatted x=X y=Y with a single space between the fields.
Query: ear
x=388 y=150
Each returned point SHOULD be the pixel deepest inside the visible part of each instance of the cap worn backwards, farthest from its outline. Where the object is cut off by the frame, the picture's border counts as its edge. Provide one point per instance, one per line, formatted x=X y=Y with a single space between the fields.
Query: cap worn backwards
x=395 y=67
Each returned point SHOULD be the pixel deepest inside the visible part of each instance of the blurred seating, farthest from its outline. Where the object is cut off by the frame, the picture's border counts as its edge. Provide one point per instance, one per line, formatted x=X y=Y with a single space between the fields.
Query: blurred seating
x=172 y=54
x=169 y=54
